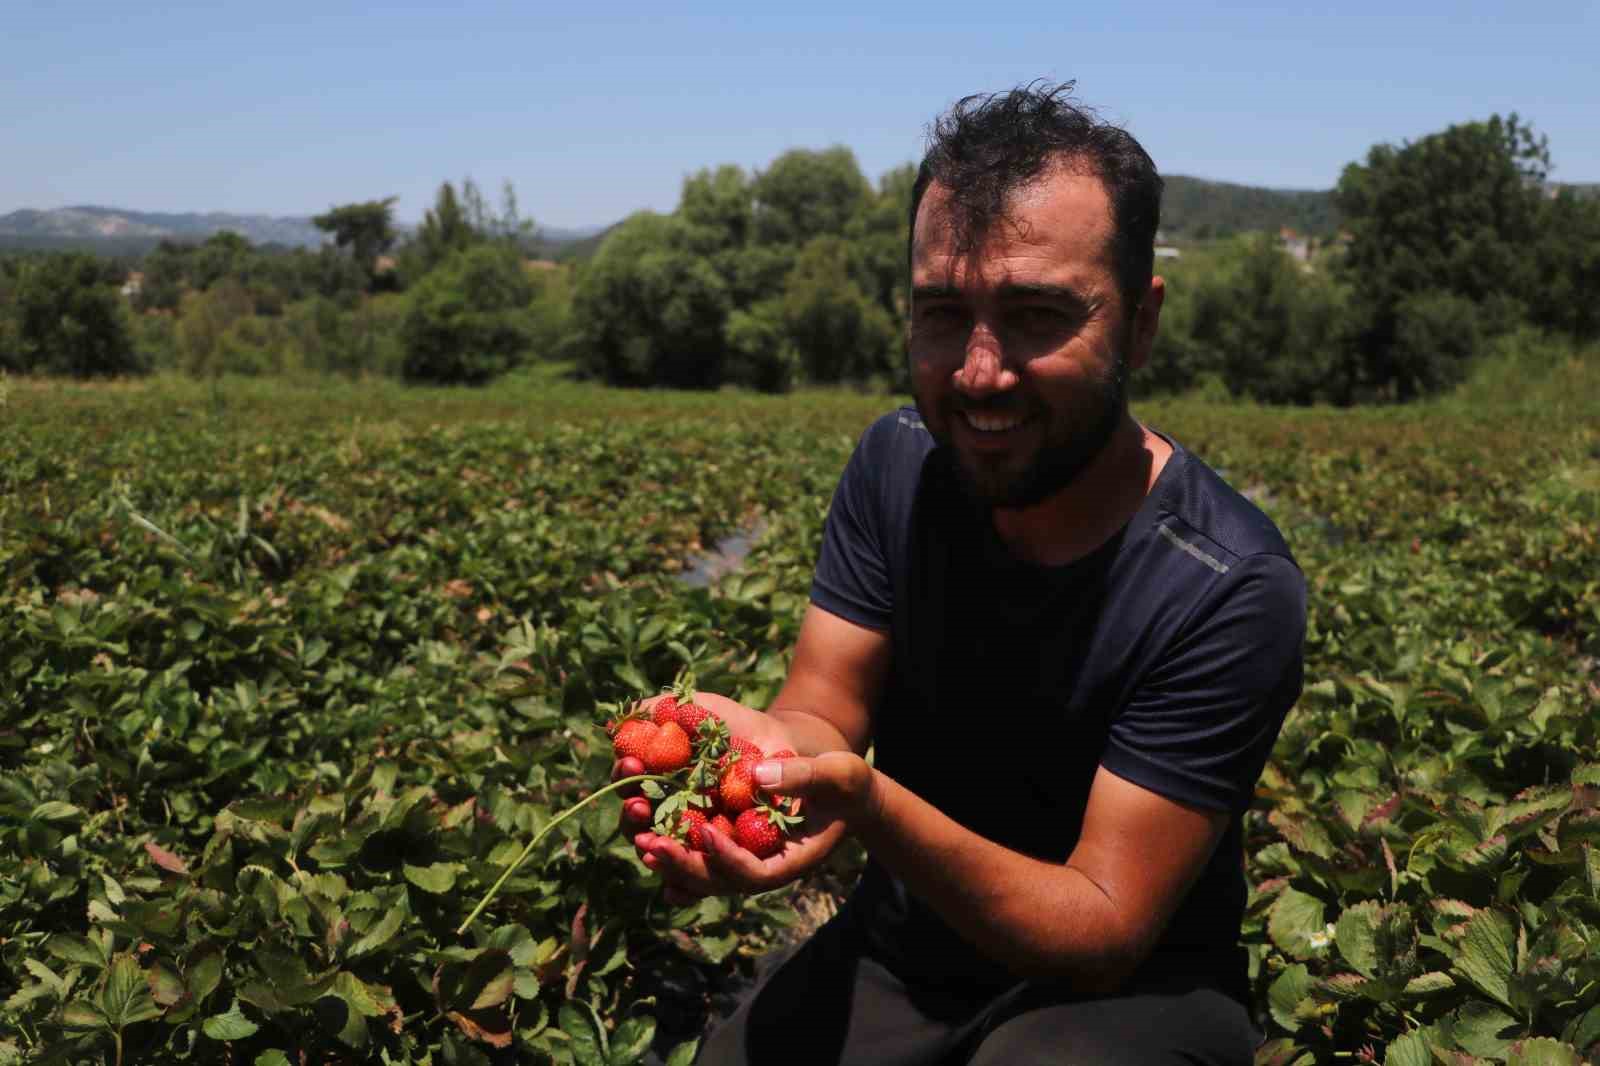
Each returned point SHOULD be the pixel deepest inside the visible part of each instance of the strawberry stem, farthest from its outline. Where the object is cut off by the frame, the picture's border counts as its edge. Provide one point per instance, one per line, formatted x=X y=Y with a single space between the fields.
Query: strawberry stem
x=540 y=835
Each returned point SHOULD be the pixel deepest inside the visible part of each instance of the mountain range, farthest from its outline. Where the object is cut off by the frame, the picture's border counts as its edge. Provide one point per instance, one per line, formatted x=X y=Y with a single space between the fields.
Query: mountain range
x=1192 y=209
x=116 y=230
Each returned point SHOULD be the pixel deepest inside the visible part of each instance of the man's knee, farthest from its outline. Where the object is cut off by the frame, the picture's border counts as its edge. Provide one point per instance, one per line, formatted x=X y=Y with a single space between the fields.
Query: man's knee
x=1202 y=1026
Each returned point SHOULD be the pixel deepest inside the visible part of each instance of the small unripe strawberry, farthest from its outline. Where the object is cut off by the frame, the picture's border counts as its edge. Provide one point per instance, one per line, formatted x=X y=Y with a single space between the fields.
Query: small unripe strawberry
x=668 y=751
x=632 y=737
x=756 y=833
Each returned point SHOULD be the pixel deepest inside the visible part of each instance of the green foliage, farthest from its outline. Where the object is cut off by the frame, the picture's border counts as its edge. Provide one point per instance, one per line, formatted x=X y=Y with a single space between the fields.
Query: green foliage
x=837 y=331
x=259 y=766
x=366 y=228
x=649 y=310
x=1457 y=211
x=64 y=319
x=466 y=323
x=806 y=194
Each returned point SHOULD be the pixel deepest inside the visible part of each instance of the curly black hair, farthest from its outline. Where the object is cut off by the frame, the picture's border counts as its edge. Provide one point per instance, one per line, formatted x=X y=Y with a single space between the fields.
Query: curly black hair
x=989 y=145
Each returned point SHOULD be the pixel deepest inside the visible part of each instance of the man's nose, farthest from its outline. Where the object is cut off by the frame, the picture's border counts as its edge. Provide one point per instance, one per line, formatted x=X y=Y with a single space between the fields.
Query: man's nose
x=984 y=370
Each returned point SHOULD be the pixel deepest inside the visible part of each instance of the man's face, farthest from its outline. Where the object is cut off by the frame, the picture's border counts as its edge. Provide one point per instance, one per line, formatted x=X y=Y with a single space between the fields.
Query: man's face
x=1019 y=346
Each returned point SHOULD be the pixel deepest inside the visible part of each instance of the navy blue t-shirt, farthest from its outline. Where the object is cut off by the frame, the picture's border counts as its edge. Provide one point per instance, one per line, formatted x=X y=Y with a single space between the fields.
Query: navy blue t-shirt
x=1169 y=655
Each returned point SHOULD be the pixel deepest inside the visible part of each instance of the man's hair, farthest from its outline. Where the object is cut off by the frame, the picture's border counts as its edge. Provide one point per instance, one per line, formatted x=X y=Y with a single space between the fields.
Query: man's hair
x=990 y=145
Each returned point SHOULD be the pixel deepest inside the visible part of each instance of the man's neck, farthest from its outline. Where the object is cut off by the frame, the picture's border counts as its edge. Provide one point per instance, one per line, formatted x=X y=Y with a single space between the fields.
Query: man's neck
x=1099 y=502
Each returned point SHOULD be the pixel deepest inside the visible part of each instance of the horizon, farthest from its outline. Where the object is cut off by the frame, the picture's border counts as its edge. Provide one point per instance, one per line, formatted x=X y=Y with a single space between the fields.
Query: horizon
x=595 y=115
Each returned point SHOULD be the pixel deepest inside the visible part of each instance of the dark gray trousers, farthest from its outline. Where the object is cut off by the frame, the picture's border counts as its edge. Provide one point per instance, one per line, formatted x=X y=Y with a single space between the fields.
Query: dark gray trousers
x=826 y=1003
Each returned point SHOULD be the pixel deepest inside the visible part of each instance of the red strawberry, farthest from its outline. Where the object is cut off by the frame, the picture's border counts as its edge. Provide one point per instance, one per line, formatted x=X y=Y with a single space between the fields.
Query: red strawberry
x=757 y=833
x=721 y=824
x=736 y=788
x=632 y=737
x=691 y=821
x=668 y=750
x=690 y=714
x=665 y=710
x=783 y=753
x=746 y=750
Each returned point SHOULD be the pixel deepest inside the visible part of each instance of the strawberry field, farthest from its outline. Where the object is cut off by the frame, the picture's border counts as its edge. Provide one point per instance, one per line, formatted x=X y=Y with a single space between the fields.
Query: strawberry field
x=290 y=676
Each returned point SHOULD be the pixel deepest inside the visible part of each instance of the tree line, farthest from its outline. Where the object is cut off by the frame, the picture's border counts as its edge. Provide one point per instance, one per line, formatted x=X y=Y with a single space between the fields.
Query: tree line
x=796 y=274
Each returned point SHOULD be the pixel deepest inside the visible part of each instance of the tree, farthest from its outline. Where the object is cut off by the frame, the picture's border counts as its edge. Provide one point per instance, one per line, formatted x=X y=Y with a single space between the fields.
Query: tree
x=1458 y=212
x=367 y=229
x=467 y=322
x=717 y=206
x=806 y=194
x=650 y=310
x=67 y=320
x=444 y=230
x=839 y=333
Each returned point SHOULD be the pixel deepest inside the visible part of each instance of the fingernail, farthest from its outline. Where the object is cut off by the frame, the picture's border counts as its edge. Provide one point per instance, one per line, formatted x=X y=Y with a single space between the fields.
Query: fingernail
x=768 y=773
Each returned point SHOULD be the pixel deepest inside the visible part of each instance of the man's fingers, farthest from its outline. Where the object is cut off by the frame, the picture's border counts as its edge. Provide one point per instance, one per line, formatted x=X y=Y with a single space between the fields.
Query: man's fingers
x=835 y=777
x=637 y=813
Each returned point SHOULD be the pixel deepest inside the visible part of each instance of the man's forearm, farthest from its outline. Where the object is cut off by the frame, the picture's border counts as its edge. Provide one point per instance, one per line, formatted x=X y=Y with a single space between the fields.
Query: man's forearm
x=1039 y=919
x=812 y=733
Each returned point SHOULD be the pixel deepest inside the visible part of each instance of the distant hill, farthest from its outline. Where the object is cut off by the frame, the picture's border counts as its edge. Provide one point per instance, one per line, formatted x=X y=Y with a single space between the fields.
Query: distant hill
x=1194 y=209
x=105 y=228
x=116 y=231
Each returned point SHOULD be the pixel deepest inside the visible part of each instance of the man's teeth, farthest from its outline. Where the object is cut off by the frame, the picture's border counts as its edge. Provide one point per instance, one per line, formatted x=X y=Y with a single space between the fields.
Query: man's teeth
x=992 y=423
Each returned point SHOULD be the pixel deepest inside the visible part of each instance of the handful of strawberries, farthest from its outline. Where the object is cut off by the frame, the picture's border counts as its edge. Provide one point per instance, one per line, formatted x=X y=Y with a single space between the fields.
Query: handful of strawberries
x=678 y=738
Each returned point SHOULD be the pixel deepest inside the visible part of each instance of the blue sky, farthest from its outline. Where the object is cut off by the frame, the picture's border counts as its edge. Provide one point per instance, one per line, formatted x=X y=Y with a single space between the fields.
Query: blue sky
x=595 y=110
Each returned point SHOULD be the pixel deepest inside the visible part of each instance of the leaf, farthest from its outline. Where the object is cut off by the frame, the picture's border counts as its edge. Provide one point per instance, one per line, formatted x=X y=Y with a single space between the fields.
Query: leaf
x=1296 y=924
x=1542 y=1051
x=166 y=987
x=75 y=949
x=580 y=1032
x=1476 y=1026
x=126 y=997
x=204 y=972
x=381 y=932
x=165 y=859
x=1302 y=833
x=1485 y=958
x=631 y=1041
x=231 y=1025
x=438 y=878
x=56 y=811
x=1379 y=941
x=80 y=1014
x=1287 y=992
x=272 y=1057
x=1410 y=1049
x=1428 y=983
x=684 y=1053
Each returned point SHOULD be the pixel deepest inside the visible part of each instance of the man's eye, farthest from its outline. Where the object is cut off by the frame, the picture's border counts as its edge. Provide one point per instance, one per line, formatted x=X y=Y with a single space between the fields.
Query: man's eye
x=1040 y=319
x=941 y=314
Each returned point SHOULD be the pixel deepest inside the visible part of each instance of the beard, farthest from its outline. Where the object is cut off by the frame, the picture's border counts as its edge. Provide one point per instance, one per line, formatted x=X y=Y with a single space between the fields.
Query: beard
x=1071 y=442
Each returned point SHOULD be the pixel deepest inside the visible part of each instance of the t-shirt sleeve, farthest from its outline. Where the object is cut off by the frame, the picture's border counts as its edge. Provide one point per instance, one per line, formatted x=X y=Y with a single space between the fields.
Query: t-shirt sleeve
x=853 y=579
x=1200 y=727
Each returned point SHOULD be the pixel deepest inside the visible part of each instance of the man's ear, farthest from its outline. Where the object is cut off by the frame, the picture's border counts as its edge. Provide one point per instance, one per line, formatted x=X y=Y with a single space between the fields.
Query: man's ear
x=1146 y=322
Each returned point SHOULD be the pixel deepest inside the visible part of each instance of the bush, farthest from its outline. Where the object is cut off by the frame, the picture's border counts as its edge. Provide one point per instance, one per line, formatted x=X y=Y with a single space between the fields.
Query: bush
x=67 y=320
x=467 y=322
x=1437 y=334
x=760 y=355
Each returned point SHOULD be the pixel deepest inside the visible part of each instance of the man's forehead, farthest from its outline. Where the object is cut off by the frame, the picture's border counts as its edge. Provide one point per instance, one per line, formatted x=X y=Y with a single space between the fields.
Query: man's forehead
x=1064 y=214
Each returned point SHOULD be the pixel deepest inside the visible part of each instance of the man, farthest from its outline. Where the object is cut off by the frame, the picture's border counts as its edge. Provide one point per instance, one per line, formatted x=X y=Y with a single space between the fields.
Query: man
x=1069 y=643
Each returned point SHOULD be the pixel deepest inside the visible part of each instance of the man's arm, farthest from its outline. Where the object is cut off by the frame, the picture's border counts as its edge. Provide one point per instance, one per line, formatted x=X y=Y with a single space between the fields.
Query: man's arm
x=835 y=676
x=1089 y=921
